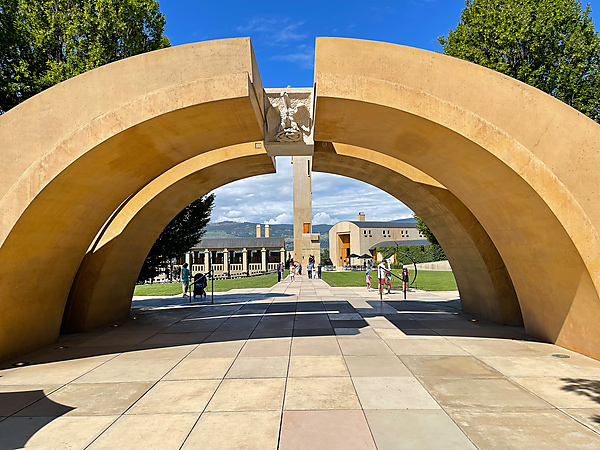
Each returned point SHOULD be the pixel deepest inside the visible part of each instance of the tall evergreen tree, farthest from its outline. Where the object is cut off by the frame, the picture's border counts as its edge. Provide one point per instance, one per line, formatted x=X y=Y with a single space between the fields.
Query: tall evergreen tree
x=549 y=44
x=182 y=233
x=44 y=42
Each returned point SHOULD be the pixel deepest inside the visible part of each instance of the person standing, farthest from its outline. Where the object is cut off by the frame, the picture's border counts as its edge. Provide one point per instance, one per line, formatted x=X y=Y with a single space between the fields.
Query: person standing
x=309 y=270
x=185 y=279
x=278 y=272
x=299 y=268
x=293 y=272
x=405 y=279
x=368 y=276
x=381 y=271
x=319 y=271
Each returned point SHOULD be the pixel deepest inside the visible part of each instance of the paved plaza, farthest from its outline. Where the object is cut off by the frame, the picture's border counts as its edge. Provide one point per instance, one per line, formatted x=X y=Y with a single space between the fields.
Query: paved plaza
x=301 y=366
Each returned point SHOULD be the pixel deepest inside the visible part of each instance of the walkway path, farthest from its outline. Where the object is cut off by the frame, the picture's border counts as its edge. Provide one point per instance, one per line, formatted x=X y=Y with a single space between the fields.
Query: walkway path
x=302 y=366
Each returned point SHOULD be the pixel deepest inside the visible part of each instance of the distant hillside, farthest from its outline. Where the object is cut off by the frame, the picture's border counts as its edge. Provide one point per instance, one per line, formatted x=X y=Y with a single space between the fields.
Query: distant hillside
x=247 y=229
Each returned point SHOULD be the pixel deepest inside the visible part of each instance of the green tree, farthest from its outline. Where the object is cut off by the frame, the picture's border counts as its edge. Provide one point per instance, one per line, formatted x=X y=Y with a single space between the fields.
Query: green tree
x=424 y=229
x=325 y=259
x=182 y=233
x=44 y=42
x=549 y=44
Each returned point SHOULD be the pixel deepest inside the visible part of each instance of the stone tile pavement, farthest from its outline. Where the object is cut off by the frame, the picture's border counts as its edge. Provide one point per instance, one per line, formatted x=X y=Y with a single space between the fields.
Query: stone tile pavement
x=301 y=366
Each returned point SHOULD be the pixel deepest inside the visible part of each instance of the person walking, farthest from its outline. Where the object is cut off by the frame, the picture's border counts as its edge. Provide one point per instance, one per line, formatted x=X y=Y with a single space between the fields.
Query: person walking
x=185 y=279
x=309 y=270
x=293 y=272
x=299 y=269
x=388 y=281
x=319 y=271
x=368 y=275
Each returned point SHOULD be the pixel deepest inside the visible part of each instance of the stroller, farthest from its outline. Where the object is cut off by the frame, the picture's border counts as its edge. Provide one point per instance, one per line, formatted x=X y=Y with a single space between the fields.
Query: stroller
x=200 y=283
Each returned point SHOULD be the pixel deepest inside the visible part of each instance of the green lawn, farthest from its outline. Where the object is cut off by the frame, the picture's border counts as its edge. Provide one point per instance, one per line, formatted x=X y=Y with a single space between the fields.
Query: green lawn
x=428 y=280
x=220 y=285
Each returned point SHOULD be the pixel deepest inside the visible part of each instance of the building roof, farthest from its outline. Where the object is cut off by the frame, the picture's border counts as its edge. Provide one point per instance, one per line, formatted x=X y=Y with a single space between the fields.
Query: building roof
x=239 y=243
x=400 y=242
x=368 y=224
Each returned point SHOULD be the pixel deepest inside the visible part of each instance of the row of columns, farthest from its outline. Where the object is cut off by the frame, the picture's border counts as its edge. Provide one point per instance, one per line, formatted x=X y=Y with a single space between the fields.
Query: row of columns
x=188 y=259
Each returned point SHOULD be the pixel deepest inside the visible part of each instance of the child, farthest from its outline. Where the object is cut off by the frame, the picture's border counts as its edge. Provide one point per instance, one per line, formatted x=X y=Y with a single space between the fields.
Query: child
x=404 y=277
x=388 y=281
x=368 y=273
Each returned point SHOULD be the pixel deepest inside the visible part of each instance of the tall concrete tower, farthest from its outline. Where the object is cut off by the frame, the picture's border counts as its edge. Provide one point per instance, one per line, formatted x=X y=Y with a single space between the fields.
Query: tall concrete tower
x=302 y=166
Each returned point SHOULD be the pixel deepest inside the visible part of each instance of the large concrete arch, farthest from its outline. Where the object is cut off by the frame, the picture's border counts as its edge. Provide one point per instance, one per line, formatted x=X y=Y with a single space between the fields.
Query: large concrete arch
x=525 y=164
x=75 y=152
x=103 y=288
x=485 y=287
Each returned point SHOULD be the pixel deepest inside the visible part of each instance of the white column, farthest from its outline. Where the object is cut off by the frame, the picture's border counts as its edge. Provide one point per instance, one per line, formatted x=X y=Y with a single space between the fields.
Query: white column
x=245 y=260
x=206 y=259
x=282 y=256
x=188 y=260
x=225 y=260
x=264 y=260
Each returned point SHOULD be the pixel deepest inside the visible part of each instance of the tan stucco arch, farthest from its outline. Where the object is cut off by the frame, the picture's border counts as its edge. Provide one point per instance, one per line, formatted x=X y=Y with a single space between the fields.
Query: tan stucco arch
x=73 y=154
x=103 y=288
x=483 y=281
x=525 y=164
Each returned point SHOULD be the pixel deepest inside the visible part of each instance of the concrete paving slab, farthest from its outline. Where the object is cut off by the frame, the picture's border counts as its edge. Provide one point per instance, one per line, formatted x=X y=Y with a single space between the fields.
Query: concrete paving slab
x=537 y=366
x=320 y=394
x=59 y=372
x=448 y=366
x=590 y=417
x=424 y=347
x=148 y=431
x=217 y=349
x=267 y=347
x=259 y=367
x=253 y=430
x=565 y=392
x=15 y=398
x=416 y=430
x=172 y=397
x=393 y=393
x=318 y=366
x=363 y=347
x=516 y=430
x=325 y=430
x=130 y=367
x=52 y=433
x=249 y=395
x=485 y=393
x=200 y=369
x=98 y=399
x=315 y=346
x=376 y=366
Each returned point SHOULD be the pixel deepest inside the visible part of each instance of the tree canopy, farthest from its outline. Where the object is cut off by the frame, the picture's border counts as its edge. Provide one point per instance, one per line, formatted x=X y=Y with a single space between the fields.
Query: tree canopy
x=182 y=233
x=44 y=42
x=424 y=229
x=549 y=44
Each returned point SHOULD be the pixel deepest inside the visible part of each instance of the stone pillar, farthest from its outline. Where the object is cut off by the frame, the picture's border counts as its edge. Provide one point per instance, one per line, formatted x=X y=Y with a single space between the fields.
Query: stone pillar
x=225 y=260
x=245 y=260
x=257 y=230
x=264 y=260
x=188 y=260
x=282 y=256
x=206 y=259
x=267 y=231
x=302 y=203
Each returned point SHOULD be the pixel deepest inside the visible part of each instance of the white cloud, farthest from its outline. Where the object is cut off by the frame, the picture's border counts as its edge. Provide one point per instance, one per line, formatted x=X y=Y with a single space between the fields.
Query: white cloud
x=282 y=218
x=322 y=218
x=269 y=199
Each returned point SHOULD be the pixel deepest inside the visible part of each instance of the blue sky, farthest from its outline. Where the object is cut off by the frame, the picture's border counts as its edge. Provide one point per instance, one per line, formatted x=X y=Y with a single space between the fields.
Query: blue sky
x=283 y=36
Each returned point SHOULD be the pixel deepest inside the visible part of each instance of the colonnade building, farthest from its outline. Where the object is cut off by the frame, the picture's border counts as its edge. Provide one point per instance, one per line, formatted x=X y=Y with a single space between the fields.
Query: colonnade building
x=238 y=256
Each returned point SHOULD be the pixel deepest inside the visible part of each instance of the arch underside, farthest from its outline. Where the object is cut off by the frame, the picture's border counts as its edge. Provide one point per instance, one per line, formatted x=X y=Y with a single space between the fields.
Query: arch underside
x=510 y=196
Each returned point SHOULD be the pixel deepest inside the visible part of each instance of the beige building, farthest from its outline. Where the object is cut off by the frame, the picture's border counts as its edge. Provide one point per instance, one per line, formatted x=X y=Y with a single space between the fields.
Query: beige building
x=361 y=237
x=238 y=256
